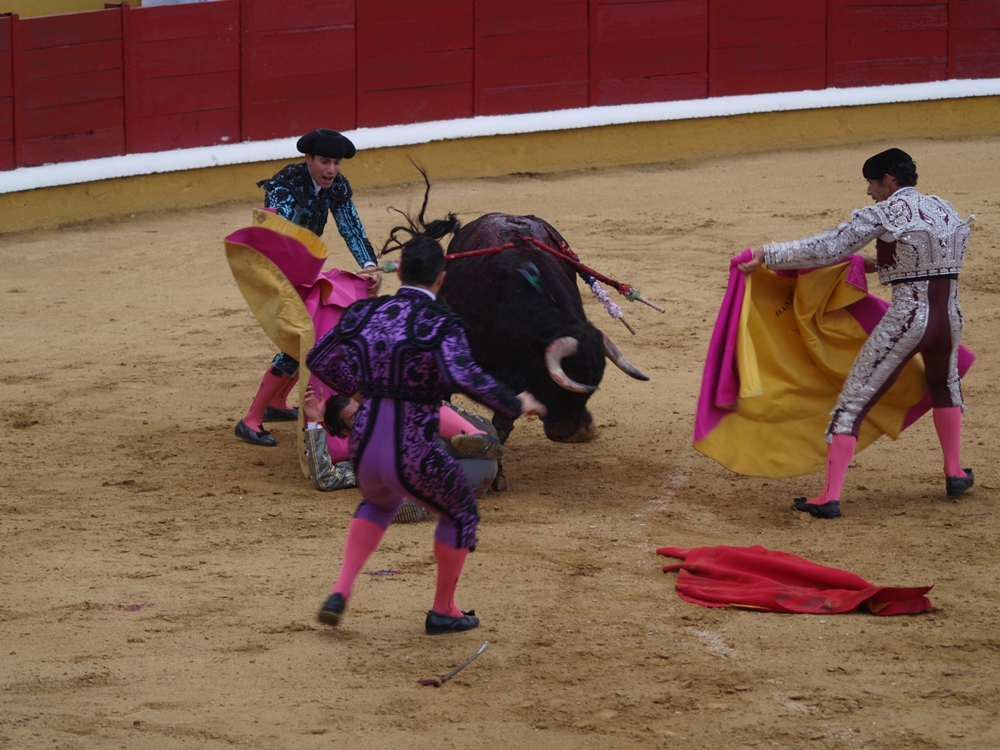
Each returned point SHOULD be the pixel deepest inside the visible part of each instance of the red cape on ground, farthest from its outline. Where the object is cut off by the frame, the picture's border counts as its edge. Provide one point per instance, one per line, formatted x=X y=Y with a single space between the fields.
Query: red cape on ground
x=759 y=578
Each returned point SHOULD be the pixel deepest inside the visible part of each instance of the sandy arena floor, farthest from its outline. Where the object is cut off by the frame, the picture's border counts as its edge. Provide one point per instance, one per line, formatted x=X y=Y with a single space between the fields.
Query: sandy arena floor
x=159 y=579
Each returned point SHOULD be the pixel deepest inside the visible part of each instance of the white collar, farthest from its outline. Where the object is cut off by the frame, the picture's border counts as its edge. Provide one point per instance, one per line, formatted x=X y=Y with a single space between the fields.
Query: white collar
x=428 y=292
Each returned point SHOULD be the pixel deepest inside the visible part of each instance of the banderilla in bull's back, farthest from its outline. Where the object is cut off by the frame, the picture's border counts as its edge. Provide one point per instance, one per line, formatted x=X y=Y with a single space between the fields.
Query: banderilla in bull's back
x=565 y=253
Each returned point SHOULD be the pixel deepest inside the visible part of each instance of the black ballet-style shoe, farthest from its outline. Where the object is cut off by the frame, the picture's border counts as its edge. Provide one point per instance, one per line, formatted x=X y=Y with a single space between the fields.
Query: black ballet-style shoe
x=333 y=608
x=271 y=414
x=956 y=486
x=247 y=433
x=478 y=444
x=826 y=510
x=438 y=624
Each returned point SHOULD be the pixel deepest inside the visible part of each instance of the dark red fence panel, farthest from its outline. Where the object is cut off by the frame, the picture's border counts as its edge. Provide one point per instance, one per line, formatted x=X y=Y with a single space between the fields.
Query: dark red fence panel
x=531 y=55
x=182 y=68
x=760 y=46
x=877 y=42
x=974 y=39
x=648 y=50
x=414 y=61
x=69 y=100
x=298 y=67
x=6 y=94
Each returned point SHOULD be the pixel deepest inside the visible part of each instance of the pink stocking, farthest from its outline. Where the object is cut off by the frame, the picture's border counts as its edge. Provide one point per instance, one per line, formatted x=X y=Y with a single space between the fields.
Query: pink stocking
x=270 y=387
x=363 y=538
x=450 y=562
x=838 y=458
x=452 y=423
x=948 y=423
x=280 y=401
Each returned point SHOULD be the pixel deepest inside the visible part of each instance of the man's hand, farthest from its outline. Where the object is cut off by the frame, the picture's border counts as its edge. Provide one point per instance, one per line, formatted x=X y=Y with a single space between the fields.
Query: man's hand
x=313 y=406
x=870 y=264
x=754 y=263
x=374 y=283
x=530 y=405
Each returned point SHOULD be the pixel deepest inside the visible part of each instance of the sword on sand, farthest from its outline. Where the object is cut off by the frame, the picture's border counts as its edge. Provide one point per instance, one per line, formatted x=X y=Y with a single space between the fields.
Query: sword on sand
x=439 y=681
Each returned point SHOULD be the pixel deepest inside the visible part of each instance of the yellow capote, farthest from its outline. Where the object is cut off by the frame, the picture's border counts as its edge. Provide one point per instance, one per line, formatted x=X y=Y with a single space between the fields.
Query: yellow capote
x=795 y=347
x=275 y=302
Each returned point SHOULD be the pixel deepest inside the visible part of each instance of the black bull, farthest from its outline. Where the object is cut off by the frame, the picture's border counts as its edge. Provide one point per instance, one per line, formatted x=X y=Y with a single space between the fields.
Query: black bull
x=526 y=323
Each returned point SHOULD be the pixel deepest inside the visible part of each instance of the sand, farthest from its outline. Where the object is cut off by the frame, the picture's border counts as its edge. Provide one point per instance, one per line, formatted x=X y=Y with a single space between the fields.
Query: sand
x=160 y=579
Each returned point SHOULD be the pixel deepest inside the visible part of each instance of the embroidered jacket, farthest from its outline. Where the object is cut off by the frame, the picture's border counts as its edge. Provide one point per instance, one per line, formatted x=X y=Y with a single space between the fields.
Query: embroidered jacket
x=414 y=351
x=293 y=194
x=917 y=236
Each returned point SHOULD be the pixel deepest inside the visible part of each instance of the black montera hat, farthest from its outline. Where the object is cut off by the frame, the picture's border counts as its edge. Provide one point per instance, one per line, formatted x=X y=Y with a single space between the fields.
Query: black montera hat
x=882 y=164
x=326 y=142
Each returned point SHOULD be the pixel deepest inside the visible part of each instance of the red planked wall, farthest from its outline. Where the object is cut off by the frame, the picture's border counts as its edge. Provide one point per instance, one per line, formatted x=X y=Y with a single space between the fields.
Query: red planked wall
x=762 y=47
x=298 y=67
x=974 y=39
x=69 y=100
x=531 y=55
x=648 y=51
x=877 y=42
x=182 y=76
x=6 y=95
x=414 y=61
x=126 y=80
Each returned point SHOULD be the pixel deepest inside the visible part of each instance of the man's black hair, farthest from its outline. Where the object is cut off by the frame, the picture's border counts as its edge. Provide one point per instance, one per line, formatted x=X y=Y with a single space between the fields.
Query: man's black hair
x=893 y=162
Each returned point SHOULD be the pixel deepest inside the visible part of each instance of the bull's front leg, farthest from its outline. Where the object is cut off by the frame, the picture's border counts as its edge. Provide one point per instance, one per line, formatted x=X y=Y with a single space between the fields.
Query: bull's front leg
x=504 y=427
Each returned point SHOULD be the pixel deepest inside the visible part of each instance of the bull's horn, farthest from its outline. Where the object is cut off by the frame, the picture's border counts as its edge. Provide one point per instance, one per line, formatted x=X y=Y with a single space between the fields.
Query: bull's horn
x=616 y=356
x=554 y=353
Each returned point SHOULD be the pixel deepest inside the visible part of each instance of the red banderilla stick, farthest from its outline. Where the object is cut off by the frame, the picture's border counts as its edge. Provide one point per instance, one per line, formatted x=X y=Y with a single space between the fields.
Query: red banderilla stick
x=439 y=681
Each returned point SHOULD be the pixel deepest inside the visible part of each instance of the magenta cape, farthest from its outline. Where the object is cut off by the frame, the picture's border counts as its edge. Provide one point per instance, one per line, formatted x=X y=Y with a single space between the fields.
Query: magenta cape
x=278 y=266
x=780 y=351
x=759 y=578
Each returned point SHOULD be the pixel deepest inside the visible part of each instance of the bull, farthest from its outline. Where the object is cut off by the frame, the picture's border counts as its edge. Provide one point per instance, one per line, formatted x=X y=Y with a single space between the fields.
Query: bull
x=526 y=322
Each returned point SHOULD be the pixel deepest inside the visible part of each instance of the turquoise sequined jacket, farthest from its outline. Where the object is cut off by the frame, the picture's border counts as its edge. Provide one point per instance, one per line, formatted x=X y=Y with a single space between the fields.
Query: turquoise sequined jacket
x=292 y=194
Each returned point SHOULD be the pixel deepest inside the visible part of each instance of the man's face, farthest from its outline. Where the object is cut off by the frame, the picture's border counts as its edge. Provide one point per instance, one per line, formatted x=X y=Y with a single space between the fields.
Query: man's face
x=349 y=412
x=879 y=190
x=322 y=169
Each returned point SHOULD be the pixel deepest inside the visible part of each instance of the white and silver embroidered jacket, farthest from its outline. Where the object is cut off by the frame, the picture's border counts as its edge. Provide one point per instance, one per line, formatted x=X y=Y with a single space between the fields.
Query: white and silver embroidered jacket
x=929 y=235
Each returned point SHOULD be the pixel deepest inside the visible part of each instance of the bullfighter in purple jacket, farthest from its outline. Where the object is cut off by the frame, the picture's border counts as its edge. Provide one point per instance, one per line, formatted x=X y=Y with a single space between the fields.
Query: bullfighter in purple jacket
x=403 y=354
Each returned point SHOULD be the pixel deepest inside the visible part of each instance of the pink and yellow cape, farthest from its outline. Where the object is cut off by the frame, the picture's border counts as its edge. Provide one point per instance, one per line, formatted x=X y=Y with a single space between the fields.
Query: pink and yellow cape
x=278 y=267
x=781 y=349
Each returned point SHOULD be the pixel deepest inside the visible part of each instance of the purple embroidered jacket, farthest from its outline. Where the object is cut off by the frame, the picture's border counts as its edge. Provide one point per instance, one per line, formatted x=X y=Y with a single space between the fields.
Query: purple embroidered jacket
x=413 y=350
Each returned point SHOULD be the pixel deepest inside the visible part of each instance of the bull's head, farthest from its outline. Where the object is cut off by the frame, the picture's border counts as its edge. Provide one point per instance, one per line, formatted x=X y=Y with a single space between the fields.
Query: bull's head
x=573 y=422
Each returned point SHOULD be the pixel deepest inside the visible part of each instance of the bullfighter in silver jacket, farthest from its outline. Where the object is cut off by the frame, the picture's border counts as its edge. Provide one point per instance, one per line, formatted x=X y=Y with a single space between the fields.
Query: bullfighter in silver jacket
x=920 y=245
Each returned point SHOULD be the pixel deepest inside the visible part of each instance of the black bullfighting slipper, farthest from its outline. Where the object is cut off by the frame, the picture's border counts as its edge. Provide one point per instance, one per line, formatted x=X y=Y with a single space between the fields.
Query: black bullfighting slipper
x=272 y=414
x=249 y=434
x=478 y=444
x=958 y=485
x=438 y=624
x=826 y=510
x=332 y=610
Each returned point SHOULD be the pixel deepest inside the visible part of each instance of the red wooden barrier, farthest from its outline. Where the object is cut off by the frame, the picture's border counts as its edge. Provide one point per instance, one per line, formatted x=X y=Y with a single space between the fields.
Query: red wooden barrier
x=6 y=94
x=531 y=55
x=760 y=46
x=414 y=61
x=648 y=50
x=298 y=67
x=875 y=42
x=68 y=87
x=100 y=83
x=974 y=39
x=182 y=75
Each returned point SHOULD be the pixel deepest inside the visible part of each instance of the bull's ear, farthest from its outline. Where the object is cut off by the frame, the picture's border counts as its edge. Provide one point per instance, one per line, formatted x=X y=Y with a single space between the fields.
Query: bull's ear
x=615 y=355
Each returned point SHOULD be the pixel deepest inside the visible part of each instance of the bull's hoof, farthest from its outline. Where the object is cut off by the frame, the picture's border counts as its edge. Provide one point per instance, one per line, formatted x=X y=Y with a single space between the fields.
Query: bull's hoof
x=499 y=483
